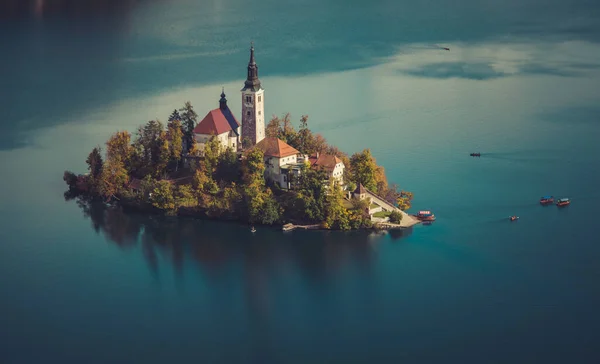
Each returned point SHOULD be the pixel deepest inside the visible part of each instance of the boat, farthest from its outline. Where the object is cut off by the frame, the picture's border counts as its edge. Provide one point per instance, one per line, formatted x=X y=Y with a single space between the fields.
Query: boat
x=513 y=218
x=425 y=216
x=547 y=200
x=288 y=227
x=563 y=202
x=253 y=230
x=475 y=154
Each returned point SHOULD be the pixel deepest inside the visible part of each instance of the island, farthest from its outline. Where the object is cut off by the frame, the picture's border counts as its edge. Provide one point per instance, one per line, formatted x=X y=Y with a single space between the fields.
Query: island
x=222 y=169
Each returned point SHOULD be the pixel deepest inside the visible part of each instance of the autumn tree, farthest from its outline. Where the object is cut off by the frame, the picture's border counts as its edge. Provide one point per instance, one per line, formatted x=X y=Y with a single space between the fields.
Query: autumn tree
x=162 y=197
x=404 y=200
x=115 y=174
x=364 y=169
x=175 y=137
x=212 y=150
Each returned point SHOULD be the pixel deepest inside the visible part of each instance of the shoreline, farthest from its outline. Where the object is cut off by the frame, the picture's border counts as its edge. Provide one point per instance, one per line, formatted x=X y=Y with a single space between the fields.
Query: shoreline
x=149 y=210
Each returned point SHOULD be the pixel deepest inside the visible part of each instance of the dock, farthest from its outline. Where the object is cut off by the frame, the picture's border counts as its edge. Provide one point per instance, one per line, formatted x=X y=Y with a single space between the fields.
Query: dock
x=290 y=227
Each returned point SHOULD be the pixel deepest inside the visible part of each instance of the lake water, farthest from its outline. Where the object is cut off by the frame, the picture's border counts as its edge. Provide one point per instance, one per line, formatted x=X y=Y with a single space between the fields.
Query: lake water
x=520 y=84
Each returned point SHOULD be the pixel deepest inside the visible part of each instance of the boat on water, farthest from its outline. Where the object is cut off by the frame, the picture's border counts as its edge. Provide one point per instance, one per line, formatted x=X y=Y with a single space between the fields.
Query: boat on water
x=425 y=216
x=475 y=154
x=547 y=200
x=253 y=230
x=563 y=202
x=513 y=218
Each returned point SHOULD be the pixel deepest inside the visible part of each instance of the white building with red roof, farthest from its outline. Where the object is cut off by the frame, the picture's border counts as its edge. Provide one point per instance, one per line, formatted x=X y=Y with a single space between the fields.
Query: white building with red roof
x=280 y=160
x=331 y=164
x=220 y=123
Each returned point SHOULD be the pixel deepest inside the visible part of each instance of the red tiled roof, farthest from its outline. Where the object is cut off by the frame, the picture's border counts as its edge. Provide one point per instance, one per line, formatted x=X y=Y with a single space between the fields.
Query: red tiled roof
x=326 y=161
x=273 y=147
x=214 y=123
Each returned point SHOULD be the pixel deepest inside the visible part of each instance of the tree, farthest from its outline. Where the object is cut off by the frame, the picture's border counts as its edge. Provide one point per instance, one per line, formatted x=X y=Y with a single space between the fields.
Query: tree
x=175 y=137
x=305 y=138
x=336 y=215
x=184 y=196
x=163 y=155
x=212 y=150
x=404 y=201
x=175 y=116
x=272 y=129
x=228 y=168
x=94 y=162
x=118 y=148
x=395 y=217
x=253 y=168
x=113 y=179
x=189 y=119
x=162 y=197
x=364 y=169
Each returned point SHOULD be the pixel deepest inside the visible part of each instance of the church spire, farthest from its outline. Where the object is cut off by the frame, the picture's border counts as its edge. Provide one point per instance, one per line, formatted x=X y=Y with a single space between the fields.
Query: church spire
x=252 y=82
x=223 y=100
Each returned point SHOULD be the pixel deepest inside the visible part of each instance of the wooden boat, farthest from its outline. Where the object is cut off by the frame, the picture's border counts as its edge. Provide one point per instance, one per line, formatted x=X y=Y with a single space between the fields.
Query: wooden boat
x=547 y=200
x=425 y=216
x=475 y=154
x=563 y=202
x=513 y=218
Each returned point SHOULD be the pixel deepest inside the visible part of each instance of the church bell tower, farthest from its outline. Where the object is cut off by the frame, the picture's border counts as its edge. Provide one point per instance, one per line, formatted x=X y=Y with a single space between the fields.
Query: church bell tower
x=253 y=110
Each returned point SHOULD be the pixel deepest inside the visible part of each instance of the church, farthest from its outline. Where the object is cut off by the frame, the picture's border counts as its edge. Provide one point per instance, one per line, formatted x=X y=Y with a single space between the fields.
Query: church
x=223 y=124
x=281 y=159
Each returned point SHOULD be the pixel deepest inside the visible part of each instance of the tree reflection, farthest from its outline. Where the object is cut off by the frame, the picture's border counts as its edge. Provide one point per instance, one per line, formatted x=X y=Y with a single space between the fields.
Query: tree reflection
x=220 y=249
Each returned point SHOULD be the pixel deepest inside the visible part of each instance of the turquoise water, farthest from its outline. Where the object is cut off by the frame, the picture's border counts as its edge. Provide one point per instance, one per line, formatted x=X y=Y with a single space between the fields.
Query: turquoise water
x=519 y=85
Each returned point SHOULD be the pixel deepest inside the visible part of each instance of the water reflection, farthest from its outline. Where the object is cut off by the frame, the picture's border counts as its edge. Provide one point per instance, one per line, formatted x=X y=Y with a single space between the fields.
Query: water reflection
x=265 y=258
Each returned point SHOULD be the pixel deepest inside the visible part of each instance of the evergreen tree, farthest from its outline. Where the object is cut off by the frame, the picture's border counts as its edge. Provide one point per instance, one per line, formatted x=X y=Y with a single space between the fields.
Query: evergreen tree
x=189 y=119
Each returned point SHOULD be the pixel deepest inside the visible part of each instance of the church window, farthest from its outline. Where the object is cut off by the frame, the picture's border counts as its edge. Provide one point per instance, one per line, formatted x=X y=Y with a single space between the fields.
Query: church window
x=259 y=98
x=248 y=98
x=258 y=112
x=248 y=113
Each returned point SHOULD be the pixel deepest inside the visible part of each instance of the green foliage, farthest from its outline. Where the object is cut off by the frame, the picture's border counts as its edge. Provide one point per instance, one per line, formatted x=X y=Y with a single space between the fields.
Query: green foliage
x=212 y=150
x=71 y=179
x=189 y=119
x=184 y=196
x=336 y=215
x=364 y=169
x=95 y=162
x=162 y=197
x=228 y=167
x=395 y=217
x=175 y=137
x=175 y=116
x=253 y=168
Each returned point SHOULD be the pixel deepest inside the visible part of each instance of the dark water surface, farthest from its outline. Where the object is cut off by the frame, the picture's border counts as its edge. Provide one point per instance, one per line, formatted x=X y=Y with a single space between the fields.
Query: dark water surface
x=521 y=85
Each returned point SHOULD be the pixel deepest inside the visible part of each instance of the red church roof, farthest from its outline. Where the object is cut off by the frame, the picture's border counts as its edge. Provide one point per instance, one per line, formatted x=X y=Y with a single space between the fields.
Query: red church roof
x=273 y=147
x=215 y=123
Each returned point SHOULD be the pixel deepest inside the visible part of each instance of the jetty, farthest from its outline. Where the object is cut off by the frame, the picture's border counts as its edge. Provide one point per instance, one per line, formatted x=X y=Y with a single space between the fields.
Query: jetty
x=290 y=227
